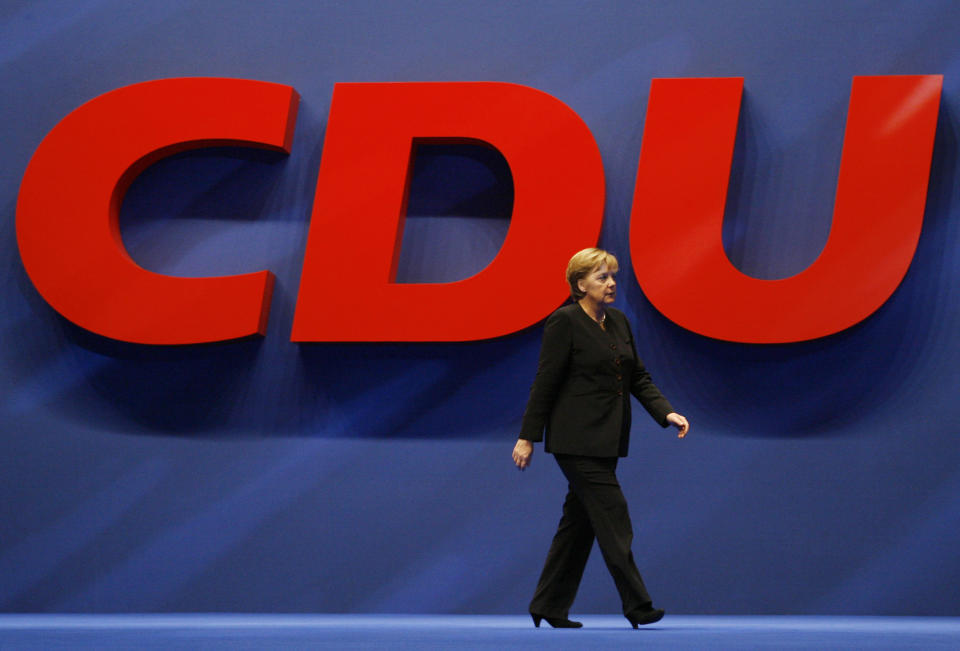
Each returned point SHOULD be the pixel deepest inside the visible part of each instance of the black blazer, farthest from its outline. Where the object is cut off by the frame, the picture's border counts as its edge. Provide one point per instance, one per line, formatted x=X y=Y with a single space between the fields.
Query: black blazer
x=581 y=394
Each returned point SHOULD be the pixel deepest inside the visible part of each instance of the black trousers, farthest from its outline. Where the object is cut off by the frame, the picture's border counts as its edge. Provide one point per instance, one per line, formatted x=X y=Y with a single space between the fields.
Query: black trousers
x=594 y=508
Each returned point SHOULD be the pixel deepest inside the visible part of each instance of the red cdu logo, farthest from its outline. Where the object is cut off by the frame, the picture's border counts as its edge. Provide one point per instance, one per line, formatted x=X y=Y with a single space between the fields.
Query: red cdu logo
x=70 y=244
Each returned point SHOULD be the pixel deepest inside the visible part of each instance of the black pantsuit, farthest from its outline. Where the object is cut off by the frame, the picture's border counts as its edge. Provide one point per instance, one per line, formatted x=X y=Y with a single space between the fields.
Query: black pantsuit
x=594 y=508
x=581 y=399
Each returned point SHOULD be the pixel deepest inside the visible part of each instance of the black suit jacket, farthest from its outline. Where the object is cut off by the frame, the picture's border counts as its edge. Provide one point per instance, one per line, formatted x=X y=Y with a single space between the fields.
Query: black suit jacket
x=581 y=394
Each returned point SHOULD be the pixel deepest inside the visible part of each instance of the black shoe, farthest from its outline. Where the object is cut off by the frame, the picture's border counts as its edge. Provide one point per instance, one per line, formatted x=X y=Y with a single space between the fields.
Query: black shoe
x=641 y=617
x=556 y=622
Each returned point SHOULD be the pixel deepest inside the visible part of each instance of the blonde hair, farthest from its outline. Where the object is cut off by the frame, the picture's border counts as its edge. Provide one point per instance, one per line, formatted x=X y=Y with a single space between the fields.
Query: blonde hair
x=584 y=262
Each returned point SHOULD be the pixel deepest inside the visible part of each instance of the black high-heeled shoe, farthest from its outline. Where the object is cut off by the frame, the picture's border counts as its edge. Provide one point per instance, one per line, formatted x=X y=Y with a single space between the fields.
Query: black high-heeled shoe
x=641 y=617
x=555 y=622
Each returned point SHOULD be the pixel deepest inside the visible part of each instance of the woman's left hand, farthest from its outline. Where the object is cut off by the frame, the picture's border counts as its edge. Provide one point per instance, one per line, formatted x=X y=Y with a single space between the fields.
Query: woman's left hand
x=680 y=423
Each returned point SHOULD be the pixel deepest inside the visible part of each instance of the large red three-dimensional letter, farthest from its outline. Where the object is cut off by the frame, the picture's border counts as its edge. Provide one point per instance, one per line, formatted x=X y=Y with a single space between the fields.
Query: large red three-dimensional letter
x=72 y=190
x=358 y=213
x=675 y=235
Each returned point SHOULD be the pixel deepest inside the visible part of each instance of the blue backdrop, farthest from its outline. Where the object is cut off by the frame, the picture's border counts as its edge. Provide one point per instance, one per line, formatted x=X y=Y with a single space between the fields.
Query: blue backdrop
x=263 y=475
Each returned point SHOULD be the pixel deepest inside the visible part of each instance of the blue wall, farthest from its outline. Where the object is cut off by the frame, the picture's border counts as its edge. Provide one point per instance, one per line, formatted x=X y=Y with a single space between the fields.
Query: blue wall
x=820 y=477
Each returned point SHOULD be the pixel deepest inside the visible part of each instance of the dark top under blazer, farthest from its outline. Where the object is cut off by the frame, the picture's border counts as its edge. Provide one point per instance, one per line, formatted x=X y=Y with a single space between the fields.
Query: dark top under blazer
x=581 y=394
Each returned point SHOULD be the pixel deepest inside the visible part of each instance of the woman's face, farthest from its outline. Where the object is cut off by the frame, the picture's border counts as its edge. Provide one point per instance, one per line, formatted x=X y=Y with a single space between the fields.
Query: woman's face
x=599 y=286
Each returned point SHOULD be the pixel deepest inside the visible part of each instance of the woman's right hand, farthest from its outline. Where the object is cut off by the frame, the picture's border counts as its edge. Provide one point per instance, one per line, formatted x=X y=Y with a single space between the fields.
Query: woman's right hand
x=522 y=453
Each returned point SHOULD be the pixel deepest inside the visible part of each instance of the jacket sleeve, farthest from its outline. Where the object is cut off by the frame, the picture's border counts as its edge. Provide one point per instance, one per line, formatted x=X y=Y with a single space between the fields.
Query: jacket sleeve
x=642 y=386
x=551 y=372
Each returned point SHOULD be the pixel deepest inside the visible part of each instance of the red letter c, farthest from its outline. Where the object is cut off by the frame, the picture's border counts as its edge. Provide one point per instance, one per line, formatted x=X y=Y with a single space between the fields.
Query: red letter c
x=70 y=200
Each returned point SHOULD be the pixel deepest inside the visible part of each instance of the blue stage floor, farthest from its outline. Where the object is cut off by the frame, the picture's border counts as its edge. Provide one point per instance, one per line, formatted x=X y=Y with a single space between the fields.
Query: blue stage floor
x=220 y=631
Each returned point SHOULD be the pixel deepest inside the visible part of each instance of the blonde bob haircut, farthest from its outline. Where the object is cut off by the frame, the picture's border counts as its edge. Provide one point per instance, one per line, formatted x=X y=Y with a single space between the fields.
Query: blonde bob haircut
x=585 y=262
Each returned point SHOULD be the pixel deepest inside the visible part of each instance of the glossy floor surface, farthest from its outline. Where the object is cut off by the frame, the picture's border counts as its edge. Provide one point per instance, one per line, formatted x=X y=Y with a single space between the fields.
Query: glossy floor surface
x=241 y=631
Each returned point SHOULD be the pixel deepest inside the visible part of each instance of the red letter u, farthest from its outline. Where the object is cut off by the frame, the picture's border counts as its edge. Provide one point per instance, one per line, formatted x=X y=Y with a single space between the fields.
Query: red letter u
x=675 y=236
